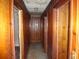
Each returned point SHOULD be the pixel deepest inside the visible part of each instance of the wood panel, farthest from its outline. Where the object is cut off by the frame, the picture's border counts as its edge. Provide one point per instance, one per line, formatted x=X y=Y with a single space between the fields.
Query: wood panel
x=58 y=31
x=46 y=34
x=35 y=29
x=58 y=28
x=50 y=32
x=6 y=38
x=26 y=18
x=57 y=3
x=74 y=33
x=62 y=31
x=77 y=29
x=72 y=44
x=54 y=46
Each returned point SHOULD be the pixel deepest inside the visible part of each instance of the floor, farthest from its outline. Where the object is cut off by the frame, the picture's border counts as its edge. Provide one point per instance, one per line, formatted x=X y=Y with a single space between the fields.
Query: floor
x=36 y=52
x=17 y=52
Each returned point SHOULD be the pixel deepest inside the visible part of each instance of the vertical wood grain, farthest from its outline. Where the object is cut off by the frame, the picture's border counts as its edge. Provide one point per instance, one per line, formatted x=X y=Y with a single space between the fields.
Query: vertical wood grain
x=36 y=29
x=62 y=34
x=50 y=32
x=60 y=31
x=55 y=44
x=77 y=48
x=6 y=51
x=73 y=15
x=26 y=33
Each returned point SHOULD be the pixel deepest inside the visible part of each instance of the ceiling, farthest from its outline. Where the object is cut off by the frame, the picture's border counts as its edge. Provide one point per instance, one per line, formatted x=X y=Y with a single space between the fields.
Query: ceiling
x=36 y=6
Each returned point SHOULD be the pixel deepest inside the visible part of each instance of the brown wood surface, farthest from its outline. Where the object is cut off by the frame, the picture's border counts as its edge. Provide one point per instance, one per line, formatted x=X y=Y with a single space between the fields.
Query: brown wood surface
x=36 y=30
x=78 y=29
x=72 y=45
x=57 y=3
x=50 y=32
x=26 y=18
x=46 y=34
x=74 y=30
x=57 y=38
x=62 y=31
x=6 y=50
x=54 y=46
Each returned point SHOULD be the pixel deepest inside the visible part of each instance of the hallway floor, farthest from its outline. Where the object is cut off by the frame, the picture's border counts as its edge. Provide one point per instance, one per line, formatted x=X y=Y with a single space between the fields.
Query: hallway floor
x=36 y=52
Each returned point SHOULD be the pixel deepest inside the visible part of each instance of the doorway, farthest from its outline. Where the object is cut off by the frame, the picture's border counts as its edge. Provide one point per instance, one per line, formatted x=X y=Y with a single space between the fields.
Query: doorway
x=16 y=33
x=60 y=31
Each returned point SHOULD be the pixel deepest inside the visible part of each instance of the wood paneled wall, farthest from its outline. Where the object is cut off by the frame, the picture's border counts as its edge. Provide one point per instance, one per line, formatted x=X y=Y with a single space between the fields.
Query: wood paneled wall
x=62 y=31
x=6 y=40
x=65 y=29
x=7 y=49
x=46 y=33
x=74 y=30
x=48 y=12
x=50 y=31
x=58 y=26
x=54 y=46
x=77 y=29
x=26 y=33
x=36 y=29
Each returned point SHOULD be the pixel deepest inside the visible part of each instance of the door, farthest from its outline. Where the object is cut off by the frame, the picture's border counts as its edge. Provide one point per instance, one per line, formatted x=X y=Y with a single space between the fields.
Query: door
x=50 y=32
x=36 y=29
x=62 y=30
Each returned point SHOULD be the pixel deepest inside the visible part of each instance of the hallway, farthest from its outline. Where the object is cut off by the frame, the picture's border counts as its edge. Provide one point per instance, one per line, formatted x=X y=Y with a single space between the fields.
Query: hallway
x=39 y=29
x=36 y=52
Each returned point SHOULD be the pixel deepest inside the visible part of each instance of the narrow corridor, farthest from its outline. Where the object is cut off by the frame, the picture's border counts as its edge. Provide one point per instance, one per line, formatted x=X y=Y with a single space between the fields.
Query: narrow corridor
x=36 y=52
x=39 y=29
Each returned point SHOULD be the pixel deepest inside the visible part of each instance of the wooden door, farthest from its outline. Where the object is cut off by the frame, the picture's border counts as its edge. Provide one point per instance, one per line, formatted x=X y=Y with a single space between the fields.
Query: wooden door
x=36 y=30
x=62 y=30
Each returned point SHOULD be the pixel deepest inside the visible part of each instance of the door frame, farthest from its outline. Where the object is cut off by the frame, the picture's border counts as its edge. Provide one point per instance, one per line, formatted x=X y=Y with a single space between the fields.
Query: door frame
x=21 y=39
